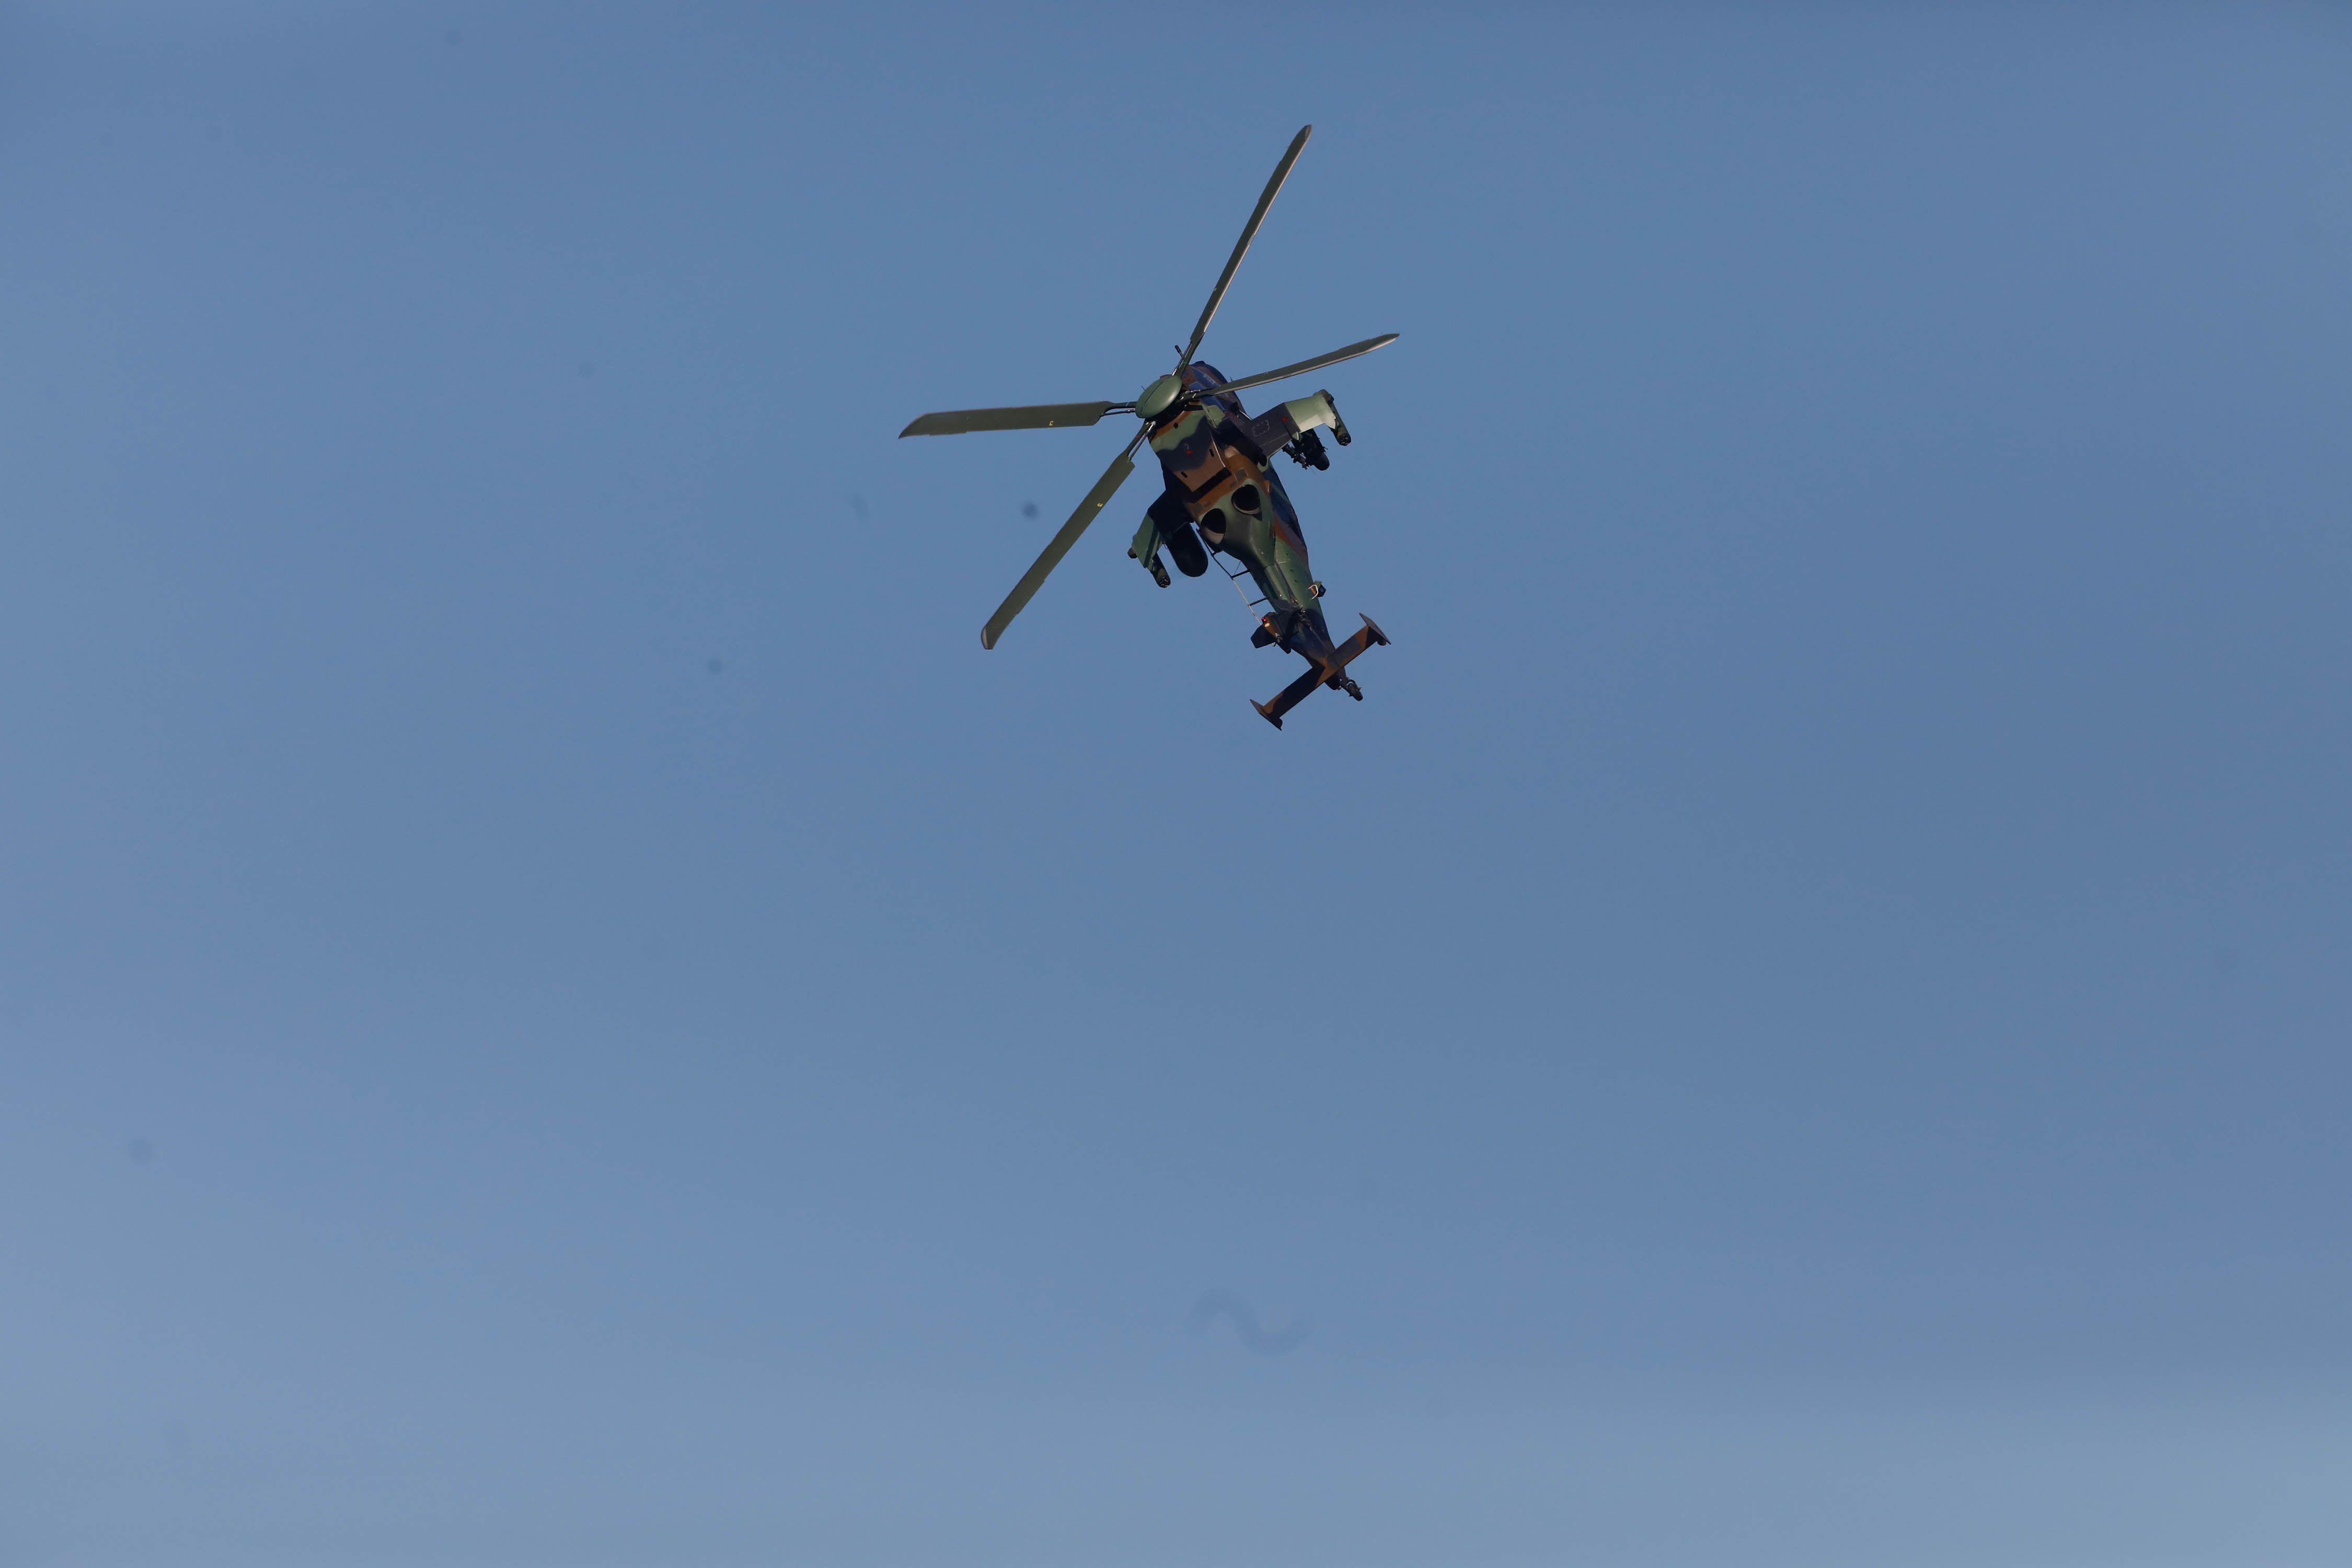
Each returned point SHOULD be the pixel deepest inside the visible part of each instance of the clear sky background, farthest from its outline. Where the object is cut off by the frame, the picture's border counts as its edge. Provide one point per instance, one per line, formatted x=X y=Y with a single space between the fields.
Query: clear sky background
x=555 y=1007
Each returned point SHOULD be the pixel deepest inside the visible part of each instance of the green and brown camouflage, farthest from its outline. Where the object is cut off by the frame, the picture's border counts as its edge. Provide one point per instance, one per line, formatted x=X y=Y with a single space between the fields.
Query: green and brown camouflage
x=1220 y=495
x=1222 y=492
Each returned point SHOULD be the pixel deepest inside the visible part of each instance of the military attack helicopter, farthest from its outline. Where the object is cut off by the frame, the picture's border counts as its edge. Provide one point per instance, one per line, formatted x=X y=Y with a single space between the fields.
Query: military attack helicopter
x=1221 y=494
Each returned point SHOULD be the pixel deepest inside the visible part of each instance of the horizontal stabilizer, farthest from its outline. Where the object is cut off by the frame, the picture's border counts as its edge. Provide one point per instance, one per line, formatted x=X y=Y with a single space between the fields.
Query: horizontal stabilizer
x=1330 y=670
x=1289 y=696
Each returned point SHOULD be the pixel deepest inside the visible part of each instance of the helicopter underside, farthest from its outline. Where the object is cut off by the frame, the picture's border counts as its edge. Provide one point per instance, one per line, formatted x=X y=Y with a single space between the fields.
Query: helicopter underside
x=1221 y=494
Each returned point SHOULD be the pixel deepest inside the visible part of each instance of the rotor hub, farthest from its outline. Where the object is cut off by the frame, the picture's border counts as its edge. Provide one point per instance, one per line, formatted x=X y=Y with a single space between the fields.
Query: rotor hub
x=1159 y=397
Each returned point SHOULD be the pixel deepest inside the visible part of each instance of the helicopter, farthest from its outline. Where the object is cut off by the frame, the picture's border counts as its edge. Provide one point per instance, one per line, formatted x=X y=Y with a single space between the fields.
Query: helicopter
x=1220 y=494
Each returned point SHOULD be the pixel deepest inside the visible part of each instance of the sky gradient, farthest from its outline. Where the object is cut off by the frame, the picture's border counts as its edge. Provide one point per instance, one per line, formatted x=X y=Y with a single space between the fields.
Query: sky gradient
x=555 y=1007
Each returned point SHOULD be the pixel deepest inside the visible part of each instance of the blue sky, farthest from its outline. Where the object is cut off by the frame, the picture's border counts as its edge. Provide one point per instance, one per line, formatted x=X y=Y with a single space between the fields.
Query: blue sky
x=556 y=1006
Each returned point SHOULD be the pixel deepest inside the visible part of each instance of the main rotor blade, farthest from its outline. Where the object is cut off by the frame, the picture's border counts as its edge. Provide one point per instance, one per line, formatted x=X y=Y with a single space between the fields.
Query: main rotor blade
x=1089 y=510
x=1264 y=200
x=1036 y=416
x=1303 y=366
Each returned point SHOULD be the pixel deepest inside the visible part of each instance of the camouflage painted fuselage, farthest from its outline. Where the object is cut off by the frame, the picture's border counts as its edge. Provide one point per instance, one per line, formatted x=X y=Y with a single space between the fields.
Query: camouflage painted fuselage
x=1218 y=481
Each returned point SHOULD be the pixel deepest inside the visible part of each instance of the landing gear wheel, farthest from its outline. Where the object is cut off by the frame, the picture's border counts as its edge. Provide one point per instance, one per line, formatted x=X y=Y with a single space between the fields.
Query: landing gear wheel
x=1352 y=689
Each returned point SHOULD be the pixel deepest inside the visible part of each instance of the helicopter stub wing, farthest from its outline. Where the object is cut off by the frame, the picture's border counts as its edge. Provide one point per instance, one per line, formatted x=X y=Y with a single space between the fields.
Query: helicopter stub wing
x=1034 y=416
